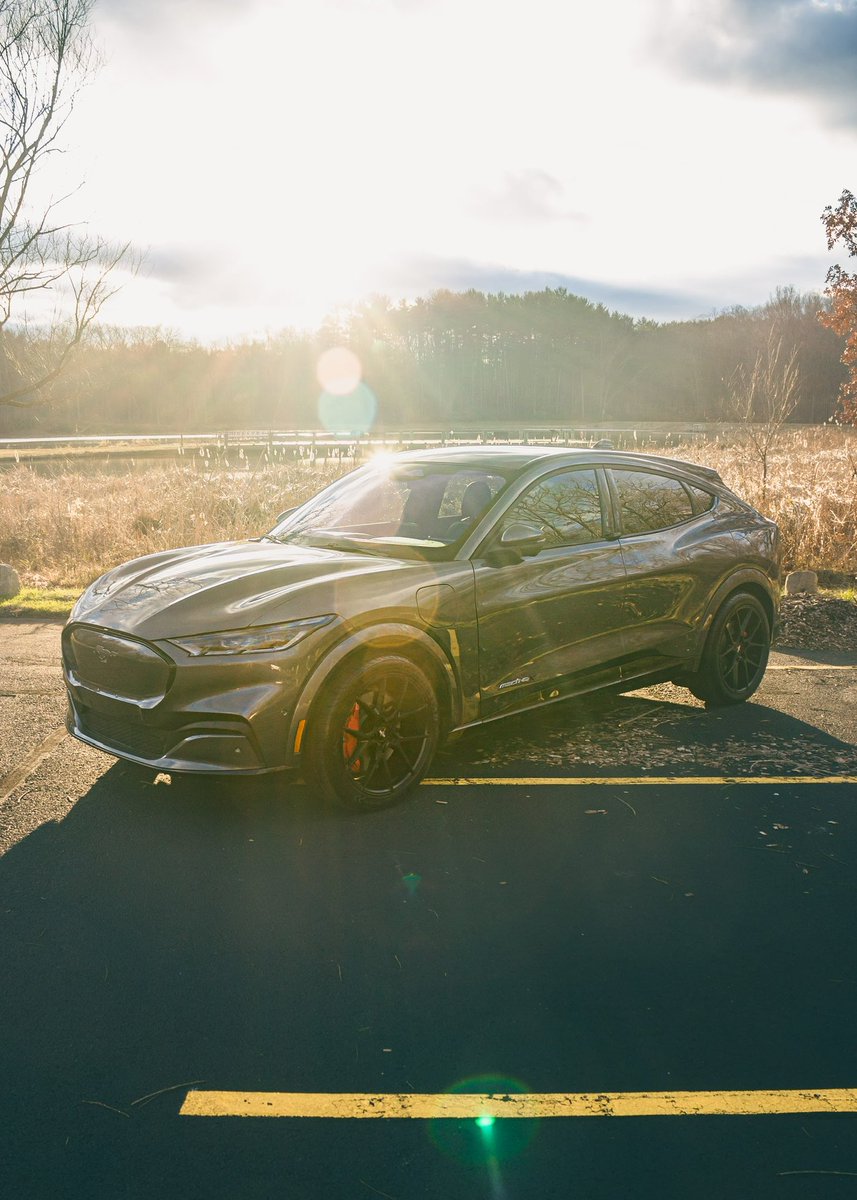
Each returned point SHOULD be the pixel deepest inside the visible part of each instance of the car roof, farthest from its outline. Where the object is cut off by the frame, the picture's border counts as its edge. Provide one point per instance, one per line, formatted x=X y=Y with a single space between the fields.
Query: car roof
x=484 y=456
x=517 y=458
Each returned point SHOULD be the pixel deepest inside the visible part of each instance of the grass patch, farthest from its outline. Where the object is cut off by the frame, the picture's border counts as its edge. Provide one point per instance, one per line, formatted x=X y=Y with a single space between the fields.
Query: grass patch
x=849 y=594
x=40 y=602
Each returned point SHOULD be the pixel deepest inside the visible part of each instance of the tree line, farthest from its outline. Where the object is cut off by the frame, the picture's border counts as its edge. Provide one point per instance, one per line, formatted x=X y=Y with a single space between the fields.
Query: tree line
x=453 y=357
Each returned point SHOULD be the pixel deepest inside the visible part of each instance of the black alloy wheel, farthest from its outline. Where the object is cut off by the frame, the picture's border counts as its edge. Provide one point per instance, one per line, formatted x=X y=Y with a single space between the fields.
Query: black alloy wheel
x=373 y=733
x=736 y=652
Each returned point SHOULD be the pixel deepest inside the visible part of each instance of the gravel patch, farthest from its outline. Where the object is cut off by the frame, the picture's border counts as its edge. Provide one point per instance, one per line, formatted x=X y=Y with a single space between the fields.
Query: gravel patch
x=666 y=730
x=818 y=623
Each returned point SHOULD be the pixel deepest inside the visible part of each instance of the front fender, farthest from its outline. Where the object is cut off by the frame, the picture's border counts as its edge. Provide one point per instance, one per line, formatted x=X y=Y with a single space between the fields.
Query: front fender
x=389 y=636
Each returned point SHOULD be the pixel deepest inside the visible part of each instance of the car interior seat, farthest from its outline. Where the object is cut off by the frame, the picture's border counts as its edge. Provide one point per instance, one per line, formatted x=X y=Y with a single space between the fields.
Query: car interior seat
x=475 y=499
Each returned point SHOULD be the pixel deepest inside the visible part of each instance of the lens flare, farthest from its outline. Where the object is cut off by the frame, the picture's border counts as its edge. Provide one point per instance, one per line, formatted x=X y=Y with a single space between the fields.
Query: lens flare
x=339 y=370
x=487 y=1141
x=412 y=882
x=352 y=414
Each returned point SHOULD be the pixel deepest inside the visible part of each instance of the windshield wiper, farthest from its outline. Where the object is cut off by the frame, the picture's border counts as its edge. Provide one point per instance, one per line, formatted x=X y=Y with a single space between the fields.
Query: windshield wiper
x=342 y=543
x=323 y=539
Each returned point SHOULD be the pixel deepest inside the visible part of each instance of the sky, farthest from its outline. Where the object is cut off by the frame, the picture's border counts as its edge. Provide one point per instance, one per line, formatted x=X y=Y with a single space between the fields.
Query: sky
x=276 y=159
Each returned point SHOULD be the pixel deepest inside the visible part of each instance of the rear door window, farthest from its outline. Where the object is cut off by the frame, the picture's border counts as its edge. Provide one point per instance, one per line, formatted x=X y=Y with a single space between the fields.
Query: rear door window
x=648 y=501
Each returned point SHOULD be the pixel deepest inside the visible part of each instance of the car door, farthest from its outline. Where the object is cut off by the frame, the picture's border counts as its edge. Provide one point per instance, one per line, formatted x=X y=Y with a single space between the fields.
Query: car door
x=676 y=549
x=548 y=620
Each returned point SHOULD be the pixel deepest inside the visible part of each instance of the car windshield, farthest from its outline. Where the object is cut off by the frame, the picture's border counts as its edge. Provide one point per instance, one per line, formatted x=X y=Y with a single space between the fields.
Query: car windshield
x=425 y=509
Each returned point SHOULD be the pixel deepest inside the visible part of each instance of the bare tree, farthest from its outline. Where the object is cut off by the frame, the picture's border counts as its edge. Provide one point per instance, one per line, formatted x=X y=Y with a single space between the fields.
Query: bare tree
x=763 y=398
x=46 y=56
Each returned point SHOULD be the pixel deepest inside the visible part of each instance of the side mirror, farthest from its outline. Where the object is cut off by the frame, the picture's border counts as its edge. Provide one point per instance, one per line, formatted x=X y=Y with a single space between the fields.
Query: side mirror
x=521 y=535
x=282 y=516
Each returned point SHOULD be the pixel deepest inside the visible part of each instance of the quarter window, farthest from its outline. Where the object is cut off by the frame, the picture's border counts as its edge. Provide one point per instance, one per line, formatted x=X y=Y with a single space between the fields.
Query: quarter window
x=702 y=500
x=648 y=502
x=566 y=507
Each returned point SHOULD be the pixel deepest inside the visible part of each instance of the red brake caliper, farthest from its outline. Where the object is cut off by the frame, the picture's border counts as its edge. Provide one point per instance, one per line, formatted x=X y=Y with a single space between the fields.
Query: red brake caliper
x=349 y=742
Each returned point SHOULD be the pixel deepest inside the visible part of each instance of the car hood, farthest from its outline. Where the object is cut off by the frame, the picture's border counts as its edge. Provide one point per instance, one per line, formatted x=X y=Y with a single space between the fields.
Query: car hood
x=230 y=585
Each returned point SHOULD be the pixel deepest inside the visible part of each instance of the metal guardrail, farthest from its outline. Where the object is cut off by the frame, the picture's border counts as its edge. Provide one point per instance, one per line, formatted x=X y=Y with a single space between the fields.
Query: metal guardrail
x=568 y=436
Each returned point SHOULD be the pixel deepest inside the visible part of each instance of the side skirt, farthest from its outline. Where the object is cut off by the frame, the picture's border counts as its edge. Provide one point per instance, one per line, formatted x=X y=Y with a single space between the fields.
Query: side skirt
x=614 y=686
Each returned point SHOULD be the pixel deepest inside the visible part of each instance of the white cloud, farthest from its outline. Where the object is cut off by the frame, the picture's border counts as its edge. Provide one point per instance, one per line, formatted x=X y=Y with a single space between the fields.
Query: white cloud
x=279 y=155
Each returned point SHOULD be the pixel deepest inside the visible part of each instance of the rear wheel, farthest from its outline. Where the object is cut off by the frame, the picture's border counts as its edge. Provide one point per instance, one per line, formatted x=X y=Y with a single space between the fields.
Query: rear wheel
x=372 y=733
x=736 y=652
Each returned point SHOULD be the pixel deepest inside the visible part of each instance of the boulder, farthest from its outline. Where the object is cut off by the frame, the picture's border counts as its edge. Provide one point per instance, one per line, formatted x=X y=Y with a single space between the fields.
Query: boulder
x=10 y=582
x=801 y=581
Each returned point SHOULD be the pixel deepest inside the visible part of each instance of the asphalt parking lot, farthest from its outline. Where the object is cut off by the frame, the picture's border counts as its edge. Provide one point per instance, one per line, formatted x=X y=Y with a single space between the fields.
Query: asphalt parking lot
x=626 y=905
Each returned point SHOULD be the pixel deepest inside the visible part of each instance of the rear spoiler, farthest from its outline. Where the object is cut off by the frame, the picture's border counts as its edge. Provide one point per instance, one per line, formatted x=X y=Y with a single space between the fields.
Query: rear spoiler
x=706 y=473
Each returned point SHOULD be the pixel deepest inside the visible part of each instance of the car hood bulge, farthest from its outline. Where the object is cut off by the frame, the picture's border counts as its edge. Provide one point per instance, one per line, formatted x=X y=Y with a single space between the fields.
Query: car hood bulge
x=231 y=585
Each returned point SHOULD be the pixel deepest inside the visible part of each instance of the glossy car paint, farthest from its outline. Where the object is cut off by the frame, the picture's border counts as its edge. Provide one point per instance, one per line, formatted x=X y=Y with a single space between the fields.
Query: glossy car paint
x=556 y=614
x=496 y=636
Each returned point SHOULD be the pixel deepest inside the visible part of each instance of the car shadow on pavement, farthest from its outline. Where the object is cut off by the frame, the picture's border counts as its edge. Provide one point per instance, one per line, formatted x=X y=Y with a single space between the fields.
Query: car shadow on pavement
x=160 y=927
x=235 y=934
x=656 y=731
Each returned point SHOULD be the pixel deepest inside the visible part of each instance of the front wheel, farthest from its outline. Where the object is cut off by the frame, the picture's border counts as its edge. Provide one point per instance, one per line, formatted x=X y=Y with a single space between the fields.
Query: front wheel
x=736 y=652
x=373 y=733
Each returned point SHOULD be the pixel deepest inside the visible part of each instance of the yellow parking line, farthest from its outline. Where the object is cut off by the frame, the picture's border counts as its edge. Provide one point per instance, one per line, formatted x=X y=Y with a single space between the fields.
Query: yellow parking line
x=811 y=667
x=635 y=780
x=20 y=774
x=428 y=1106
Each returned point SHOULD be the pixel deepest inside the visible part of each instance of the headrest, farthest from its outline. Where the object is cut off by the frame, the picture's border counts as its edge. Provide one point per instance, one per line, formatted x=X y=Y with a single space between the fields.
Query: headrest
x=476 y=498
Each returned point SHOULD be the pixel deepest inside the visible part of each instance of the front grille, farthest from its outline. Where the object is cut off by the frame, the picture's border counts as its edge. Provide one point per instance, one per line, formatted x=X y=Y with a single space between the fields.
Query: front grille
x=117 y=665
x=129 y=736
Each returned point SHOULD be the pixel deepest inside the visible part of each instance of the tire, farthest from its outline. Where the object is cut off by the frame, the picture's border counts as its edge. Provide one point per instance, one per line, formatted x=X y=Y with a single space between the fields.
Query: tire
x=372 y=733
x=735 y=654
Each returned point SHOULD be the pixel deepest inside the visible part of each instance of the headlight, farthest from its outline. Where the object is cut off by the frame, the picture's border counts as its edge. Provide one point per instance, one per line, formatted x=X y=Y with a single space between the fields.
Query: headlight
x=250 y=641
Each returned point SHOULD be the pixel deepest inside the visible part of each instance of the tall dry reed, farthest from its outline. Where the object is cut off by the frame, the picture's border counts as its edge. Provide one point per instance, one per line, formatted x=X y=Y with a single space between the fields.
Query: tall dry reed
x=68 y=528
x=811 y=490
x=65 y=529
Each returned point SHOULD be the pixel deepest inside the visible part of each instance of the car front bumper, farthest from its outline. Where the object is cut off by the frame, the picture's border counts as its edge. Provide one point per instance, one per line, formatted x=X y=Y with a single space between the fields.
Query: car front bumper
x=138 y=701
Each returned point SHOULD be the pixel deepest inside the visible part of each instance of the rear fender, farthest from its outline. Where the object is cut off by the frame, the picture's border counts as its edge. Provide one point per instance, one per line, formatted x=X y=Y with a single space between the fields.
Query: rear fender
x=746 y=579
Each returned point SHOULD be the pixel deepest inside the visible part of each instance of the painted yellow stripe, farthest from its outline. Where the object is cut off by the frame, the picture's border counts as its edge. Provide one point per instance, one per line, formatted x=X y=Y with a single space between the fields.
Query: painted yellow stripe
x=427 y=1106
x=634 y=780
x=18 y=775
x=811 y=667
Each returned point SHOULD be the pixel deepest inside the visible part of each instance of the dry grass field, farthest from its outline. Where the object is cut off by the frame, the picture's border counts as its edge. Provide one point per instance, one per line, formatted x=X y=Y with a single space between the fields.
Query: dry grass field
x=811 y=490
x=64 y=529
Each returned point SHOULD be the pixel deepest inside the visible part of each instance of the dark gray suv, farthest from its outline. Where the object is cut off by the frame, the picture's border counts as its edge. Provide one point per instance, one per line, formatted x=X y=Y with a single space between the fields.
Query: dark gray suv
x=424 y=593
